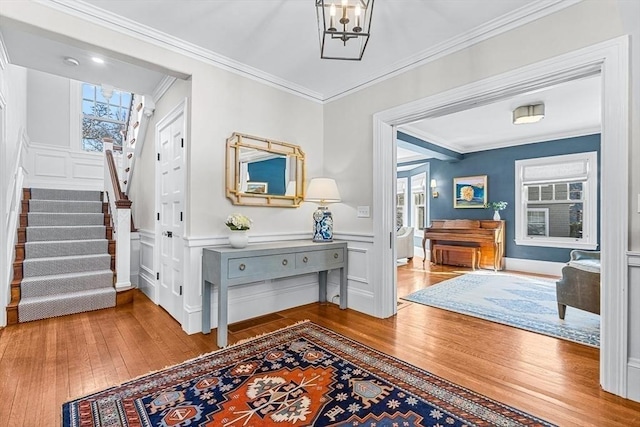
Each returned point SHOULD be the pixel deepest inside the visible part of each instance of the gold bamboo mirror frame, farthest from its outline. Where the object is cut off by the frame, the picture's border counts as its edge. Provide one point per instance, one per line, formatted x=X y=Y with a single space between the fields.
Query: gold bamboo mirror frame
x=264 y=172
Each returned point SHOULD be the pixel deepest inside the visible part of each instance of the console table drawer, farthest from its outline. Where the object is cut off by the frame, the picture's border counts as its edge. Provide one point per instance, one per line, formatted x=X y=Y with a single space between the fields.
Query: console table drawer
x=261 y=265
x=320 y=258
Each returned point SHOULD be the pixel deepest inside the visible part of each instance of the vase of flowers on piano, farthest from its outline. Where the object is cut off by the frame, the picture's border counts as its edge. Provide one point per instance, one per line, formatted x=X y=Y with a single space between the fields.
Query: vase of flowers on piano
x=497 y=207
x=238 y=224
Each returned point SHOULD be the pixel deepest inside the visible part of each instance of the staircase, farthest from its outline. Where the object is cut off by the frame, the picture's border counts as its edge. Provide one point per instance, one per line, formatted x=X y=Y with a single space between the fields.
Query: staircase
x=64 y=257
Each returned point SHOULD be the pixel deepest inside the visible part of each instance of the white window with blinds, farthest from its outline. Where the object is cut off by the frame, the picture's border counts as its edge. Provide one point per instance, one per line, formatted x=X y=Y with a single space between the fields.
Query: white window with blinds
x=557 y=201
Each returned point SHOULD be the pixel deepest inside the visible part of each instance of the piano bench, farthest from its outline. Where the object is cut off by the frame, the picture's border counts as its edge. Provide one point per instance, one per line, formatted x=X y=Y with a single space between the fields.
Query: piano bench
x=473 y=251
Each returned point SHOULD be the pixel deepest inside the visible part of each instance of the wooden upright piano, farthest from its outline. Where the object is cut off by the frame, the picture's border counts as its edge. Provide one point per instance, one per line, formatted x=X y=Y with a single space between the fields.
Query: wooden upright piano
x=487 y=235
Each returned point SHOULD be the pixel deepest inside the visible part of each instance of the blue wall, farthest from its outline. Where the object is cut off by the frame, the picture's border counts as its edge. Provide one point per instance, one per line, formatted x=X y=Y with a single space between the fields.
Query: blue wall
x=270 y=171
x=499 y=166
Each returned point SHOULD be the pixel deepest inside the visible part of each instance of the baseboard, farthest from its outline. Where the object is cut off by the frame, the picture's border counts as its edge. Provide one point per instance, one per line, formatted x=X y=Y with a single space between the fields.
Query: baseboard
x=633 y=379
x=534 y=266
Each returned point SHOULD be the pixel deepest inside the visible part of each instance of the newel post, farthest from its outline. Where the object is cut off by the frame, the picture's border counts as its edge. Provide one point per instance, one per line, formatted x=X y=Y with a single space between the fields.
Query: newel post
x=123 y=244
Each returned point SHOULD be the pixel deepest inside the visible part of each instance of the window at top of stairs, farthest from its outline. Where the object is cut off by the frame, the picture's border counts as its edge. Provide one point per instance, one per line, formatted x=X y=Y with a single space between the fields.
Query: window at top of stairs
x=105 y=112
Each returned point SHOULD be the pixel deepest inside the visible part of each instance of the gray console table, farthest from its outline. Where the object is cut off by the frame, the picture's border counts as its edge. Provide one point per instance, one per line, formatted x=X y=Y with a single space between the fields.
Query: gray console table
x=224 y=267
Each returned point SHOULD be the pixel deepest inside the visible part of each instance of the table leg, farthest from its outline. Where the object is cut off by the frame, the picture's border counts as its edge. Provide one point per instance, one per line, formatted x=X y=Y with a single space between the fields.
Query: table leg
x=343 y=288
x=222 y=315
x=206 y=307
x=322 y=285
x=424 y=251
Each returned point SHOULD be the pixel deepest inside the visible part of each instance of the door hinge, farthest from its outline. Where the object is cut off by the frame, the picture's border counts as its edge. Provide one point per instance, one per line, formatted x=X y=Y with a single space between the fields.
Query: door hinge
x=158 y=275
x=182 y=142
x=158 y=215
x=180 y=290
x=158 y=156
x=180 y=216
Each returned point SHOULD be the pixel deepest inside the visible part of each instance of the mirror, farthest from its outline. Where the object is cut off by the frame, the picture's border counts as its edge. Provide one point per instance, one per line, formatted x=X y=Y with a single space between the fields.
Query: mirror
x=264 y=172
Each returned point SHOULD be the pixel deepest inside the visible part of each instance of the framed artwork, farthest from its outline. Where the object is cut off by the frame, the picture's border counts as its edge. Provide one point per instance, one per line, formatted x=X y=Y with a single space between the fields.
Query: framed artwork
x=257 y=187
x=470 y=191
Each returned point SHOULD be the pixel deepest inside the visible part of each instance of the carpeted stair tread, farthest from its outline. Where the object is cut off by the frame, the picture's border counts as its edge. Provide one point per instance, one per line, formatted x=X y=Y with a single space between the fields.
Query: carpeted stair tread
x=53 y=194
x=61 y=219
x=62 y=304
x=65 y=206
x=81 y=232
x=65 y=264
x=40 y=286
x=65 y=248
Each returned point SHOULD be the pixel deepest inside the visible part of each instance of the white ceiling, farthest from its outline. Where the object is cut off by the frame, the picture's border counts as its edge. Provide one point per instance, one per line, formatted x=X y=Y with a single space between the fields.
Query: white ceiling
x=277 y=41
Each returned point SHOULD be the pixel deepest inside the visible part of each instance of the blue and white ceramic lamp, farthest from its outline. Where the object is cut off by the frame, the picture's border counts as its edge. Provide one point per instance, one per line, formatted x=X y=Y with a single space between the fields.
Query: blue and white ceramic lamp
x=322 y=191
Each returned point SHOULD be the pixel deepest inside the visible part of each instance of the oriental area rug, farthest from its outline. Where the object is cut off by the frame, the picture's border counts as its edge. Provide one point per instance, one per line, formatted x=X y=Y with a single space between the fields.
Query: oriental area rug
x=523 y=302
x=303 y=375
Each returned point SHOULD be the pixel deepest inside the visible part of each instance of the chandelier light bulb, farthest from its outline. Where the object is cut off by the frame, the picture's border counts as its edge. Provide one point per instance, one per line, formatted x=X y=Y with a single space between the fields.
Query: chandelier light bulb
x=345 y=17
x=357 y=28
x=332 y=14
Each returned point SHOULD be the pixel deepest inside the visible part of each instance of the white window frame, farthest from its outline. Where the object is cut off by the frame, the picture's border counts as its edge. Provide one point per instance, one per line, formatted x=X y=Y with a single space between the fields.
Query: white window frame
x=418 y=186
x=589 y=239
x=402 y=187
x=546 y=219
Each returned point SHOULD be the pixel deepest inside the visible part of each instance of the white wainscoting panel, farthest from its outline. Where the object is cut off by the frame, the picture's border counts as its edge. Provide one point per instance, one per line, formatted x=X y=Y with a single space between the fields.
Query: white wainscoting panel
x=64 y=168
x=633 y=364
x=147 y=282
x=134 y=260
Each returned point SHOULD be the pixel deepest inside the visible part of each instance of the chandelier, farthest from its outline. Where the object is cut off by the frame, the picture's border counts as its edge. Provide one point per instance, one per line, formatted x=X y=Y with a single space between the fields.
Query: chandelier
x=344 y=28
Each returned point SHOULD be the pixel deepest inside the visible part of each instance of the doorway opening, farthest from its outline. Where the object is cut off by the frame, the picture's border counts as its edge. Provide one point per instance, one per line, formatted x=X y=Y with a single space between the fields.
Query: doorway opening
x=610 y=59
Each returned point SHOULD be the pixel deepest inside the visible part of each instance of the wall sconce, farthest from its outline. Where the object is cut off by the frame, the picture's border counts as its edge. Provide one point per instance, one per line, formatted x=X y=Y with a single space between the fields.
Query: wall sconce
x=434 y=193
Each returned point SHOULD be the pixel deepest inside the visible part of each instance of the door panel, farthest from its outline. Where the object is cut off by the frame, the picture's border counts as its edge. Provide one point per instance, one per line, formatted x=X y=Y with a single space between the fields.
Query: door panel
x=171 y=197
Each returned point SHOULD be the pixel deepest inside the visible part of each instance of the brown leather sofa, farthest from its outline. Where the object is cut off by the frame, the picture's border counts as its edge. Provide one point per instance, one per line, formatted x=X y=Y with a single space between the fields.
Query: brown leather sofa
x=580 y=283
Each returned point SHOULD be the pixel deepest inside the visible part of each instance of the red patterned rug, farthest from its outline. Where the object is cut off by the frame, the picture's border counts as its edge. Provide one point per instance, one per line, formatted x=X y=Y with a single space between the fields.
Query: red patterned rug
x=303 y=375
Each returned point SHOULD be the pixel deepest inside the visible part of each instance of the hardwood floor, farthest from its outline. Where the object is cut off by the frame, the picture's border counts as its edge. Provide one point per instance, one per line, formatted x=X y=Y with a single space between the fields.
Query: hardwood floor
x=44 y=363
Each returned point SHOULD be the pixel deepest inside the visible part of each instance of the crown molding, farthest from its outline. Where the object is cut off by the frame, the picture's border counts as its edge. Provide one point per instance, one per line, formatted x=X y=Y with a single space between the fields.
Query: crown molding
x=531 y=12
x=494 y=145
x=429 y=137
x=162 y=87
x=524 y=15
x=4 y=55
x=123 y=25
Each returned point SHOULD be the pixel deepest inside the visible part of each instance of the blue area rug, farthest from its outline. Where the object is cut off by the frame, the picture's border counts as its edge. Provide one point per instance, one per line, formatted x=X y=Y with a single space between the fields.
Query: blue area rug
x=520 y=301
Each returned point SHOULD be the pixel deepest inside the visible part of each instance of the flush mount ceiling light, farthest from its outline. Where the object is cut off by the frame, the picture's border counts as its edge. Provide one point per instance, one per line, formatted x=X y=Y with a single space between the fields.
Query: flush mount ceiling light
x=71 y=61
x=528 y=114
x=344 y=29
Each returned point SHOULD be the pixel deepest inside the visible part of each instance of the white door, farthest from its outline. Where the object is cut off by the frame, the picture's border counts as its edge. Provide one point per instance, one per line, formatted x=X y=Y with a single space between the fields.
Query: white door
x=171 y=199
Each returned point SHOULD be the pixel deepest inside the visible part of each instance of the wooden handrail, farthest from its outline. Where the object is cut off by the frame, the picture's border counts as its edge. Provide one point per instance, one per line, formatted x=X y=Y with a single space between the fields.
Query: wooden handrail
x=121 y=200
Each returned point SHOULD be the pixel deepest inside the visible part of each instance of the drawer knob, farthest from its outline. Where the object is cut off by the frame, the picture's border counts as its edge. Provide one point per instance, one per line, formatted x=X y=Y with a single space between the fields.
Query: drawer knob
x=285 y=262
x=305 y=259
x=335 y=255
x=242 y=267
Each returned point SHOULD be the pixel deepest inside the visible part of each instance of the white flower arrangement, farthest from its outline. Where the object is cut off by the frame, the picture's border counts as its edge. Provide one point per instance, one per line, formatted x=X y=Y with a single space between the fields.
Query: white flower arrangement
x=238 y=221
x=496 y=206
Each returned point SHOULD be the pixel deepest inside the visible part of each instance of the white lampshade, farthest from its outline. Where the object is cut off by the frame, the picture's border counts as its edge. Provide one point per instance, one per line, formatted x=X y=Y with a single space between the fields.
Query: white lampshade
x=322 y=190
x=434 y=184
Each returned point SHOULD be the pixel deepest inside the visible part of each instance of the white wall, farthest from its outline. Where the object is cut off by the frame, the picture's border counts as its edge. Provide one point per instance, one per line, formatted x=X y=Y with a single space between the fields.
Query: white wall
x=13 y=123
x=48 y=100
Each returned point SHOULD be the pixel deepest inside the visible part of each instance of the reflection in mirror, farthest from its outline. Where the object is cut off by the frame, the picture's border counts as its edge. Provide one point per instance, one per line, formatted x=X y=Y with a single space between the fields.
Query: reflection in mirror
x=263 y=172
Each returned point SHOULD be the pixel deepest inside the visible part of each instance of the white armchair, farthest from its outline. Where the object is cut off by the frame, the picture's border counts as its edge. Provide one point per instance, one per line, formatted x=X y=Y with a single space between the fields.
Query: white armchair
x=404 y=243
